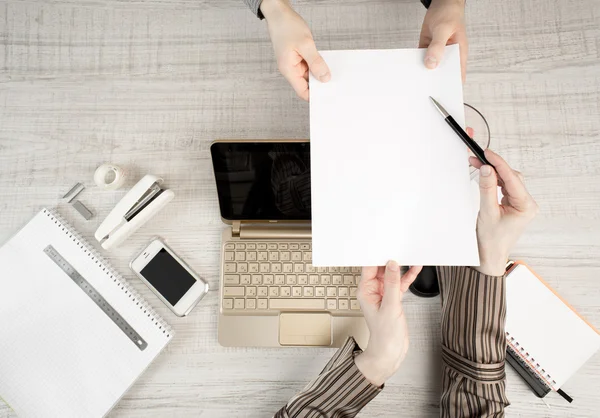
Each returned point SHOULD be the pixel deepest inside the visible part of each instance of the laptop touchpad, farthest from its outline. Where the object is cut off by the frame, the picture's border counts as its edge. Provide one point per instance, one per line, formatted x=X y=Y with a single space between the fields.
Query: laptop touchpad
x=305 y=328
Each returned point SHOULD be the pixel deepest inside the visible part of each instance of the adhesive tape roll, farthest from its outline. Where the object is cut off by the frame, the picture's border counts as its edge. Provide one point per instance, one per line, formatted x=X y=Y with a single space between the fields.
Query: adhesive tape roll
x=109 y=177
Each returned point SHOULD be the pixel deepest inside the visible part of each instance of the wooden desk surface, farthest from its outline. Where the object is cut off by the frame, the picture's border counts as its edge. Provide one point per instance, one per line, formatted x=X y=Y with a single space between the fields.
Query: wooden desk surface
x=149 y=84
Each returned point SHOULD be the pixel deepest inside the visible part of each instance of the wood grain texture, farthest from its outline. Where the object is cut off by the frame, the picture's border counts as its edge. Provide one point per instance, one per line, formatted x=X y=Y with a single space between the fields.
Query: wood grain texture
x=148 y=85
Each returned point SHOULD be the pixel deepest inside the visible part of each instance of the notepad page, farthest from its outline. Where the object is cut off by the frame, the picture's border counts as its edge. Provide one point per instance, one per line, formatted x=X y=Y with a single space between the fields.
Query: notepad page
x=389 y=177
x=546 y=328
x=60 y=355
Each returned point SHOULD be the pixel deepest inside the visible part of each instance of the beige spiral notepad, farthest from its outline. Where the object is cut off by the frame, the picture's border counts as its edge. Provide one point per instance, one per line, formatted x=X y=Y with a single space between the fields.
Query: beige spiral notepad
x=550 y=337
x=74 y=336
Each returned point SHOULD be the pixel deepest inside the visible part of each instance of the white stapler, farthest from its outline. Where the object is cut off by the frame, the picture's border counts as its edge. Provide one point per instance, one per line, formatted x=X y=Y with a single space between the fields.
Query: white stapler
x=136 y=208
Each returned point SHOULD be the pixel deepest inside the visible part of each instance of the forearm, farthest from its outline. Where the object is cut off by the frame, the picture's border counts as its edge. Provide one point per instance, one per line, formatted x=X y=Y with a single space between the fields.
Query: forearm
x=339 y=390
x=473 y=342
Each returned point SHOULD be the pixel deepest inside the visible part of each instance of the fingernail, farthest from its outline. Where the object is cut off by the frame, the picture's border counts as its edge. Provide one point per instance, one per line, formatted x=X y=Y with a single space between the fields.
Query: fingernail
x=430 y=62
x=392 y=266
x=324 y=77
x=485 y=170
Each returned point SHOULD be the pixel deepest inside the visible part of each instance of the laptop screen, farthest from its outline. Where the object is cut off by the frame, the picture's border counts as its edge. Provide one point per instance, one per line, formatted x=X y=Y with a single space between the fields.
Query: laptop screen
x=262 y=180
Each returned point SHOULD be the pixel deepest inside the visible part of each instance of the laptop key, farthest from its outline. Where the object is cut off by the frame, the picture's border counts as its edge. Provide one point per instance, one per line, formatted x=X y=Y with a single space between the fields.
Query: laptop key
x=297 y=303
x=279 y=279
x=273 y=291
x=261 y=246
x=353 y=291
x=288 y=268
x=305 y=246
x=296 y=256
x=263 y=256
x=265 y=267
x=337 y=279
x=285 y=291
x=230 y=267
x=343 y=304
x=354 y=305
x=349 y=280
x=308 y=292
x=302 y=279
x=251 y=246
x=268 y=279
x=319 y=291
x=284 y=256
x=229 y=255
x=294 y=247
x=242 y=267
x=229 y=279
x=227 y=303
x=283 y=246
x=296 y=291
x=308 y=256
x=229 y=246
x=256 y=279
x=251 y=256
x=262 y=304
x=250 y=303
x=240 y=246
x=245 y=279
x=331 y=291
x=276 y=268
x=238 y=304
x=262 y=291
x=298 y=268
x=240 y=256
x=251 y=291
x=326 y=279
x=331 y=304
x=252 y=267
x=233 y=291
x=343 y=291
x=272 y=246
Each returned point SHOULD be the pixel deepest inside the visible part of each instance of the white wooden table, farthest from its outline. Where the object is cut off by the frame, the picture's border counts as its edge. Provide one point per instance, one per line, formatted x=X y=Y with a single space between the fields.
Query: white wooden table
x=149 y=84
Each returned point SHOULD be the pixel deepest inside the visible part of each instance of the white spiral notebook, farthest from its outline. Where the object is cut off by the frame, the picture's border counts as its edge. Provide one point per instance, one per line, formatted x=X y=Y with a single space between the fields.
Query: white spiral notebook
x=74 y=336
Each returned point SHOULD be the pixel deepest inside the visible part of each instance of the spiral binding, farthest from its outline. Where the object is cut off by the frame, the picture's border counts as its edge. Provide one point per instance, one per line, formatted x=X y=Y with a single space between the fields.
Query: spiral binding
x=529 y=362
x=111 y=273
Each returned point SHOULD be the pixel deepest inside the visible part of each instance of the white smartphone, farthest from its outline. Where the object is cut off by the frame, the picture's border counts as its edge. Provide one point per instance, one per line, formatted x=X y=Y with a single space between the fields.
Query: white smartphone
x=173 y=281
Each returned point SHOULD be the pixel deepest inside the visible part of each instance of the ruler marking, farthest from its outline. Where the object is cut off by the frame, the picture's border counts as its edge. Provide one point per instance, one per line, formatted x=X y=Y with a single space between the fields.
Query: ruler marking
x=98 y=299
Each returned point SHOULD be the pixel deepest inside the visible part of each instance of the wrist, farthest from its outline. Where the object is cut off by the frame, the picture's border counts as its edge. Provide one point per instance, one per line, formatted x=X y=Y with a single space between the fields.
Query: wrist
x=270 y=8
x=373 y=370
x=495 y=267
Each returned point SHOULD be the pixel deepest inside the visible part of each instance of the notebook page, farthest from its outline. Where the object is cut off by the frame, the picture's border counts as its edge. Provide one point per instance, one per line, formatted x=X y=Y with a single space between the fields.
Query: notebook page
x=60 y=355
x=389 y=177
x=546 y=328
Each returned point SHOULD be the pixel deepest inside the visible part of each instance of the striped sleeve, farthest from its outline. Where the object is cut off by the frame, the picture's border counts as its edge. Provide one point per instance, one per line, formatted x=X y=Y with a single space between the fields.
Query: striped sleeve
x=254 y=5
x=340 y=391
x=473 y=343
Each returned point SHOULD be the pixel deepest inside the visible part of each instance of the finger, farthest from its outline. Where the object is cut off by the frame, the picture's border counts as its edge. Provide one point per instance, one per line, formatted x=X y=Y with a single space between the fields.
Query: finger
x=474 y=161
x=299 y=84
x=510 y=181
x=463 y=47
x=409 y=277
x=488 y=191
x=435 y=50
x=369 y=273
x=391 y=286
x=315 y=61
x=470 y=132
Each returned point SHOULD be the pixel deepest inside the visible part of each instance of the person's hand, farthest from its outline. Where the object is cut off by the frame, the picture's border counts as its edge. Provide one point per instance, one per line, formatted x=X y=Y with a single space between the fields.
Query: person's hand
x=444 y=24
x=380 y=295
x=499 y=226
x=294 y=46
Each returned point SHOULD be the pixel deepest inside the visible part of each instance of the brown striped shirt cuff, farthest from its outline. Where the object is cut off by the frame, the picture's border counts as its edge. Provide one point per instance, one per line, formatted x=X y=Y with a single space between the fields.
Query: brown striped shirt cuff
x=340 y=390
x=473 y=343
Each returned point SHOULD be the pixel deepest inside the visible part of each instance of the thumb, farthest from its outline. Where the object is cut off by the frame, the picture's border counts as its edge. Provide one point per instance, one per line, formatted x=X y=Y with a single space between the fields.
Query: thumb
x=392 y=294
x=435 y=50
x=317 y=65
x=488 y=190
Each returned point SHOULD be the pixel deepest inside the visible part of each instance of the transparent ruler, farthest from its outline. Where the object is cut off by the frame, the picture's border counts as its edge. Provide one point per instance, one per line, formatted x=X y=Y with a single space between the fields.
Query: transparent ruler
x=91 y=292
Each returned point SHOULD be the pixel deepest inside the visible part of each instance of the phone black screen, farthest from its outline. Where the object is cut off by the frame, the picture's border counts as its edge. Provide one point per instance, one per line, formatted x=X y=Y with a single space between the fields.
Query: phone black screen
x=168 y=276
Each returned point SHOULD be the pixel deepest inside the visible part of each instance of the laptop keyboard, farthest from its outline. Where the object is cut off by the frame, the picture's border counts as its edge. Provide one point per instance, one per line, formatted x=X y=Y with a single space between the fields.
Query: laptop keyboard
x=279 y=276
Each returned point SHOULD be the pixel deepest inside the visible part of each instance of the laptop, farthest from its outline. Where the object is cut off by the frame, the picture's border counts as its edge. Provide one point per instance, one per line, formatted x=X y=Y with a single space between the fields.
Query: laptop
x=270 y=294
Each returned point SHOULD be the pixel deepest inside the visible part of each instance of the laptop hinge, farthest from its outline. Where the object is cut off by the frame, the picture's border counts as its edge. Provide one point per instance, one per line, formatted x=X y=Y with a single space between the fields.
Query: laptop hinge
x=235 y=228
x=268 y=230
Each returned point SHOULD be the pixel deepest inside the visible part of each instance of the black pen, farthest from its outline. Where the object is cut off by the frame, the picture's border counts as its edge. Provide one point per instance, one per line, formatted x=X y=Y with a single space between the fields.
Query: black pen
x=472 y=145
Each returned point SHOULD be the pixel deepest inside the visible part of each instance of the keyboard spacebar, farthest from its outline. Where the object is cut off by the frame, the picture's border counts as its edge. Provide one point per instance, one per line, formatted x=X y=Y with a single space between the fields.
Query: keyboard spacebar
x=297 y=303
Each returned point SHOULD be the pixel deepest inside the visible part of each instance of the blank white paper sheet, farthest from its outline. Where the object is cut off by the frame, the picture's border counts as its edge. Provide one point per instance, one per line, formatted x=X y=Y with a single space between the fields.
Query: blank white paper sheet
x=389 y=177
